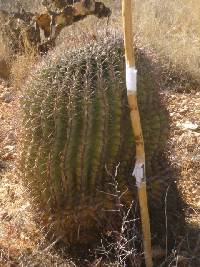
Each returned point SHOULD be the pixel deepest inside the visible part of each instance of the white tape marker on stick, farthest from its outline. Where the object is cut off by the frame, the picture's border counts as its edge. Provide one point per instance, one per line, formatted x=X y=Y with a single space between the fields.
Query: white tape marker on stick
x=131 y=79
x=139 y=174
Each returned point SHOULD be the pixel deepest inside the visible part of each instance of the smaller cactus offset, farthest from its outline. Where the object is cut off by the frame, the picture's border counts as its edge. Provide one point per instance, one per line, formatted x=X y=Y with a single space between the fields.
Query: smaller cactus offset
x=77 y=130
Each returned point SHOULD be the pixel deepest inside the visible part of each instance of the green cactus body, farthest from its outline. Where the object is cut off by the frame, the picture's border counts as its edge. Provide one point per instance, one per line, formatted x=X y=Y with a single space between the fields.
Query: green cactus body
x=77 y=130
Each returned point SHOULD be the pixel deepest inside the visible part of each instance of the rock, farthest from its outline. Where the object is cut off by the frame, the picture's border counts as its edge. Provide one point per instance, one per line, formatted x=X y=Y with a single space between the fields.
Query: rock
x=11 y=136
x=3 y=165
x=6 y=97
x=190 y=126
x=9 y=148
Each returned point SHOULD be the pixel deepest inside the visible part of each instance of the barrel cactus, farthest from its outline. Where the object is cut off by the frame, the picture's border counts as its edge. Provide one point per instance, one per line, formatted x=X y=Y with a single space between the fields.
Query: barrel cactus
x=77 y=133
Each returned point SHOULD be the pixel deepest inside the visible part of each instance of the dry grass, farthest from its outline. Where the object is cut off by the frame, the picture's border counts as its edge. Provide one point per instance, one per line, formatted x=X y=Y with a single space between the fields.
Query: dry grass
x=171 y=29
x=16 y=67
x=4 y=50
x=18 y=64
x=22 y=243
x=21 y=67
x=14 y=5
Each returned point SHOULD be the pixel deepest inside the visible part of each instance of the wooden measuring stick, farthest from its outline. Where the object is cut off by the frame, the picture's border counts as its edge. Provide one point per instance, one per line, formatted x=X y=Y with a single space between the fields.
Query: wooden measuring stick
x=139 y=170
